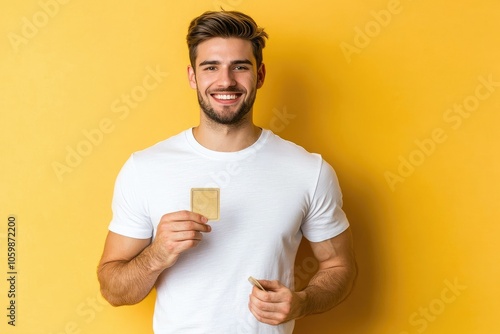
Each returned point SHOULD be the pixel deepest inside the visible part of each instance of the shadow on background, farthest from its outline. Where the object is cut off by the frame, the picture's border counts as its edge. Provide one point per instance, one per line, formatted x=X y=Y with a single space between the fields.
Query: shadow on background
x=360 y=307
x=309 y=93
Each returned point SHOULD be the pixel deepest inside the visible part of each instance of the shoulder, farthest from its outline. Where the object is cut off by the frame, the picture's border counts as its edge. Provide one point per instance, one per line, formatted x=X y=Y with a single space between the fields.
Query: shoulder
x=293 y=158
x=156 y=157
x=172 y=143
x=164 y=150
x=290 y=151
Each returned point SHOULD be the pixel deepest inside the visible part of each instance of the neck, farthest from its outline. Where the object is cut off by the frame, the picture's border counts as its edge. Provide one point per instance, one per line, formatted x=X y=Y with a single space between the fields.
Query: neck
x=226 y=138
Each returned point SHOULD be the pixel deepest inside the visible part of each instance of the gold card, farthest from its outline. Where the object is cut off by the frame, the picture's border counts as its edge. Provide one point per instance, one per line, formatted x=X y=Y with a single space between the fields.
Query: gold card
x=256 y=283
x=206 y=202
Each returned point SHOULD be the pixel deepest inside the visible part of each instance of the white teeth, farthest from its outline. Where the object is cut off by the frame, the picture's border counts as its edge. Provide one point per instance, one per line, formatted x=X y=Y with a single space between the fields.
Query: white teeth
x=225 y=97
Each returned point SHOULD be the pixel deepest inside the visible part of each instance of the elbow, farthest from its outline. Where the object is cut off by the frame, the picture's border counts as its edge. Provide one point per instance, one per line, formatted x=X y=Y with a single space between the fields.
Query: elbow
x=116 y=297
x=113 y=298
x=110 y=299
x=108 y=296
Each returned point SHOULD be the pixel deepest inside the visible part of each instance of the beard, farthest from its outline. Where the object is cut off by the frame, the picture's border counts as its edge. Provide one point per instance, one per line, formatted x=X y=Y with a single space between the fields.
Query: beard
x=226 y=117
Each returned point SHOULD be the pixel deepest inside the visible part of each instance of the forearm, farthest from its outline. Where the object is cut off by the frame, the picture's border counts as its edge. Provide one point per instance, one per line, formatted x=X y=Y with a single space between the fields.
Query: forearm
x=327 y=289
x=128 y=282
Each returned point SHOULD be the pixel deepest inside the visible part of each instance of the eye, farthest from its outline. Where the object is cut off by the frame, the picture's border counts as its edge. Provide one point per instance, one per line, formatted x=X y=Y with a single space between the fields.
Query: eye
x=210 y=68
x=241 y=68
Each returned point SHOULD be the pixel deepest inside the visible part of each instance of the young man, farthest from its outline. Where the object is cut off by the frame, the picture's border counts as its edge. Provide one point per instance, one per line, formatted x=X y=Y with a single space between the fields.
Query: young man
x=271 y=193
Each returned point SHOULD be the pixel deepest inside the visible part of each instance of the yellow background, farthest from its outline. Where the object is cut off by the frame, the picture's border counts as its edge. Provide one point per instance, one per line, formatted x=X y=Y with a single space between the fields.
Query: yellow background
x=366 y=89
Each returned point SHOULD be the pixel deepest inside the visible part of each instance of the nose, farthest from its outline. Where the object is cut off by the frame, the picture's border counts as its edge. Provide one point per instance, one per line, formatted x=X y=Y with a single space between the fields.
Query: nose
x=226 y=78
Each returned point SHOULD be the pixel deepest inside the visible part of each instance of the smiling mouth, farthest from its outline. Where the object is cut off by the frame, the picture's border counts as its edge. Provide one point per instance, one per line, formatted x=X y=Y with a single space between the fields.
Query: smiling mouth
x=226 y=98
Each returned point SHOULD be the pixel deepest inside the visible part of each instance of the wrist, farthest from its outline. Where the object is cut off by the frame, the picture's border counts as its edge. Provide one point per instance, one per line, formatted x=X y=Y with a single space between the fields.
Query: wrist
x=151 y=261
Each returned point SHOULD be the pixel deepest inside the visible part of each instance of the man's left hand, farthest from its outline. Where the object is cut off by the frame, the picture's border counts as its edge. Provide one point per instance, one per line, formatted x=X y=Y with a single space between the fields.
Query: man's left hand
x=277 y=305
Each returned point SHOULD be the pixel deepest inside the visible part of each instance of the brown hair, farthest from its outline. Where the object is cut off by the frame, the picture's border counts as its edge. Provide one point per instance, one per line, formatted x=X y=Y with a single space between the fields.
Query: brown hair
x=225 y=24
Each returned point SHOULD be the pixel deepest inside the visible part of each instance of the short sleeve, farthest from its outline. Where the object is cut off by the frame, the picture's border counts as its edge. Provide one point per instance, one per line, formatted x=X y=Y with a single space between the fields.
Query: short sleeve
x=130 y=215
x=325 y=218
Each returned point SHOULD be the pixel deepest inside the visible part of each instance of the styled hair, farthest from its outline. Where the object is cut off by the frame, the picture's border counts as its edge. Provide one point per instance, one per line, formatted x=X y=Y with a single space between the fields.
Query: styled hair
x=225 y=24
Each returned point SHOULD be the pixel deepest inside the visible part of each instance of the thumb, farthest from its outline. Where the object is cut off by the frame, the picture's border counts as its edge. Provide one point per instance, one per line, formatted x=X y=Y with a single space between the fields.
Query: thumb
x=269 y=285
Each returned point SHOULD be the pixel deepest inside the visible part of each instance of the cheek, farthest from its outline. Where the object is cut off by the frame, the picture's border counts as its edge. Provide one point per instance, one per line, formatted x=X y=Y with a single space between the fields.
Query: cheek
x=253 y=81
x=202 y=83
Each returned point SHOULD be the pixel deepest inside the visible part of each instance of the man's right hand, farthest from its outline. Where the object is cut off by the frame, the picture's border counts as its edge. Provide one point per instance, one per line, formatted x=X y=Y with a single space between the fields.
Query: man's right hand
x=176 y=233
x=129 y=267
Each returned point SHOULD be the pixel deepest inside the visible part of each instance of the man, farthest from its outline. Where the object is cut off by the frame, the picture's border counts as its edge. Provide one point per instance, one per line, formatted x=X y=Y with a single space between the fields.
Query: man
x=271 y=193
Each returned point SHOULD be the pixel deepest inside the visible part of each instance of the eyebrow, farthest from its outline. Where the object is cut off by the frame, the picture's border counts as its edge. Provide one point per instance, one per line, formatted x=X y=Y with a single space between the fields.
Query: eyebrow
x=234 y=62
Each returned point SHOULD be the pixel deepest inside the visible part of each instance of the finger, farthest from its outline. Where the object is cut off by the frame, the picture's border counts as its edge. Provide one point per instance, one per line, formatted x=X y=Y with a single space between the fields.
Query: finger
x=185 y=215
x=184 y=226
x=184 y=221
x=192 y=216
x=268 y=317
x=264 y=296
x=263 y=304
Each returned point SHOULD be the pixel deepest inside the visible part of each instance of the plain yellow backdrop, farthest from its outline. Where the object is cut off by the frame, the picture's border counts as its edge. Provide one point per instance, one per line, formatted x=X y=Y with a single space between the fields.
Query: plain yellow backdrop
x=401 y=97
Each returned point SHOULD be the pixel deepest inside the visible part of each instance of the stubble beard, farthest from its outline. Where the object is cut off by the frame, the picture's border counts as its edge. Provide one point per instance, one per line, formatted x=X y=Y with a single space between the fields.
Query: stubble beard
x=225 y=117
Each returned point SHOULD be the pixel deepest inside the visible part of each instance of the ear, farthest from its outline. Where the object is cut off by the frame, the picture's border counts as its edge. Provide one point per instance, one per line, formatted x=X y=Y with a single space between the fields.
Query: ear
x=191 y=77
x=261 y=75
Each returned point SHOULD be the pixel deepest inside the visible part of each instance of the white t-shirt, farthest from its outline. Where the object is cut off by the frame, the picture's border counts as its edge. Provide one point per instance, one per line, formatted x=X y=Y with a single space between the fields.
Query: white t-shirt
x=271 y=194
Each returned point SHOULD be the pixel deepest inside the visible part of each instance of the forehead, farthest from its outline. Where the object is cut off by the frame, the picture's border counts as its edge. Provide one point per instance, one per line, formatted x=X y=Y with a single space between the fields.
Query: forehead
x=225 y=50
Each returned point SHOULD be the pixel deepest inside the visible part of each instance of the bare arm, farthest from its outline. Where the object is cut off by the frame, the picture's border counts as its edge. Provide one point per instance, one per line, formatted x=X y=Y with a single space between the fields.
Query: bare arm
x=129 y=267
x=126 y=272
x=334 y=280
x=331 y=284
